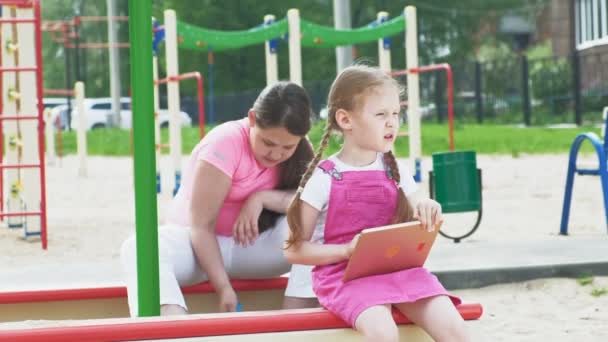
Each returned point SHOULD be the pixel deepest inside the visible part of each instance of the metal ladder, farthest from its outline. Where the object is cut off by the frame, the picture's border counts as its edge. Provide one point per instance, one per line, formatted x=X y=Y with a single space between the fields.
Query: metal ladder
x=38 y=117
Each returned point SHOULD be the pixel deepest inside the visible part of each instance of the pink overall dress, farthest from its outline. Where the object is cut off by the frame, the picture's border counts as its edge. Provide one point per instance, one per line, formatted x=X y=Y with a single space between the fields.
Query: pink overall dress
x=359 y=200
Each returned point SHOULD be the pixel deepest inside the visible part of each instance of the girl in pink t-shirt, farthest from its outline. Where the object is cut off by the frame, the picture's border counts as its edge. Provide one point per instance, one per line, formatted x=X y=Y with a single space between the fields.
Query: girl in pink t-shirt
x=227 y=219
x=361 y=187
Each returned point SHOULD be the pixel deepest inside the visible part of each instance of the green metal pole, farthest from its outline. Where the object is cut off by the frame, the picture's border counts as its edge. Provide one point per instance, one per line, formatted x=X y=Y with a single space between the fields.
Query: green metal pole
x=140 y=32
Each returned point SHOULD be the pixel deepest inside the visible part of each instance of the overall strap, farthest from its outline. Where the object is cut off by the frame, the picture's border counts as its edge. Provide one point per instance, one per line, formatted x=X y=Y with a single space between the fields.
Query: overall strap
x=330 y=168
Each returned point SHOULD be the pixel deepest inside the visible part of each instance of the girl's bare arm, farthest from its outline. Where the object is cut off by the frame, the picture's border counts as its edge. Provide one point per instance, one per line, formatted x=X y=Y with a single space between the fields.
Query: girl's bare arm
x=307 y=253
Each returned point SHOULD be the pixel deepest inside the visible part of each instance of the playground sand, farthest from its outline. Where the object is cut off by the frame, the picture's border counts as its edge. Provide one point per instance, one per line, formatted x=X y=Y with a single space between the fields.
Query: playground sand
x=89 y=217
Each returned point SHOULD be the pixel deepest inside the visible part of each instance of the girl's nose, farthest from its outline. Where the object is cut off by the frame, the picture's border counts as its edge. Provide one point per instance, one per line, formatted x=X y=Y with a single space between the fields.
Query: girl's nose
x=276 y=154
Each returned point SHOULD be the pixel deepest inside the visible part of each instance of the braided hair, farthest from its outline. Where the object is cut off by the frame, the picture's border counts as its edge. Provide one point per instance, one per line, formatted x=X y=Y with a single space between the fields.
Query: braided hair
x=347 y=92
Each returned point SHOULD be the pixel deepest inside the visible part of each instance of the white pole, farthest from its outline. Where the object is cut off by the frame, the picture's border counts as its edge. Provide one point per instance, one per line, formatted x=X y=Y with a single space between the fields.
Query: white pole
x=114 y=68
x=50 y=136
x=342 y=21
x=157 y=139
x=384 y=50
x=413 y=88
x=81 y=133
x=272 y=70
x=175 y=134
x=295 y=48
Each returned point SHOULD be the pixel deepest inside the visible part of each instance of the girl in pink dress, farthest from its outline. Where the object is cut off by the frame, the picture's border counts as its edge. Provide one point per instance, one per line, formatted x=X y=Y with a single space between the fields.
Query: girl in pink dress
x=360 y=187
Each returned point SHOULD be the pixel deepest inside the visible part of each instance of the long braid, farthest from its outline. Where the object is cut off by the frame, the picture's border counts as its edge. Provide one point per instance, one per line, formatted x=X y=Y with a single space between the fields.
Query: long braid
x=294 y=218
x=404 y=211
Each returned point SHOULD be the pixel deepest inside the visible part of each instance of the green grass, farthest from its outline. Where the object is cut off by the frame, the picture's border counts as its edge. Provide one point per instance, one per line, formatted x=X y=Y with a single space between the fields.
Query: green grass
x=597 y=292
x=585 y=280
x=485 y=139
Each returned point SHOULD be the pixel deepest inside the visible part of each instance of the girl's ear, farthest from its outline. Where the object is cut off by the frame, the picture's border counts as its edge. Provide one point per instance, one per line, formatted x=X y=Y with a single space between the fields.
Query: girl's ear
x=343 y=119
x=251 y=117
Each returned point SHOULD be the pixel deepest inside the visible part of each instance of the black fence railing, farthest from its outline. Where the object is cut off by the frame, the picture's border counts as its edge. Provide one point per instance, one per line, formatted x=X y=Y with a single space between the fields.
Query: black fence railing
x=509 y=91
x=523 y=91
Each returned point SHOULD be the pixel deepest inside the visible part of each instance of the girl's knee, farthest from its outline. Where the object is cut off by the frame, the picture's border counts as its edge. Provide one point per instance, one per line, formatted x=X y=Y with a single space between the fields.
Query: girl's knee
x=381 y=332
x=458 y=331
x=455 y=331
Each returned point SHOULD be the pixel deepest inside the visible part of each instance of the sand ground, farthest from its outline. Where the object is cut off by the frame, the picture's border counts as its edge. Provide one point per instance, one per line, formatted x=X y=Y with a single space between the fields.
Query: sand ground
x=89 y=217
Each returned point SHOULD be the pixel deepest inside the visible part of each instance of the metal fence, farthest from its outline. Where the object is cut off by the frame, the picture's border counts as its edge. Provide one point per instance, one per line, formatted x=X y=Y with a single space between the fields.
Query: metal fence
x=523 y=91
x=543 y=91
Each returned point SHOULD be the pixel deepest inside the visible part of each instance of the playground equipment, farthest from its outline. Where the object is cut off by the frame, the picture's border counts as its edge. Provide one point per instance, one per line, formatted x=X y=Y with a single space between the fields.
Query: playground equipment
x=21 y=121
x=264 y=295
x=455 y=181
x=601 y=149
x=201 y=115
x=262 y=321
x=54 y=124
x=175 y=144
x=303 y=33
x=413 y=117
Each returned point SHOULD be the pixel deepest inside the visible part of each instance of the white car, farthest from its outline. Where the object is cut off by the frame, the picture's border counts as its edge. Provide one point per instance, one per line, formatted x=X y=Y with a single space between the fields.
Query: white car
x=51 y=102
x=99 y=111
x=59 y=116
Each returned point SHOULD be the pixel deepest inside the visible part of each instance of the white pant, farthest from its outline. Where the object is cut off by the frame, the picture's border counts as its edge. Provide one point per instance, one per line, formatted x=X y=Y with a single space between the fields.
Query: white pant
x=300 y=282
x=178 y=265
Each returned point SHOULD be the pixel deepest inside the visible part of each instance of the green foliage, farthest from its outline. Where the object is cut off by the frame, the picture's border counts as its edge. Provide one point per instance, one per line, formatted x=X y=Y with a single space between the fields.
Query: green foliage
x=492 y=49
x=597 y=292
x=93 y=62
x=453 y=28
x=585 y=280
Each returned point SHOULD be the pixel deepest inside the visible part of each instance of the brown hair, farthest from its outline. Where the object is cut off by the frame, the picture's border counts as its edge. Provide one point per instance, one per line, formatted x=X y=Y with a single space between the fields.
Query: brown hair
x=287 y=105
x=347 y=92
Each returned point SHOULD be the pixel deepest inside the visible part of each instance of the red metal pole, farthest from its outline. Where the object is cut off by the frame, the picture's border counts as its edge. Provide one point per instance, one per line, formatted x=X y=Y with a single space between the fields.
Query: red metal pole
x=200 y=94
x=450 y=89
x=39 y=88
x=450 y=82
x=1 y=144
x=18 y=3
x=66 y=92
x=17 y=21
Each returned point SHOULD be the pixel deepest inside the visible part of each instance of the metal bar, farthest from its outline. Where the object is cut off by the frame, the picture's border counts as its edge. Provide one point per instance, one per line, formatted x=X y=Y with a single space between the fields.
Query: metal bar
x=103 y=18
x=587 y=172
x=19 y=166
x=66 y=92
x=200 y=94
x=39 y=90
x=98 y=45
x=18 y=118
x=478 y=96
x=450 y=87
x=21 y=213
x=17 y=21
x=140 y=27
x=18 y=3
x=19 y=69
x=525 y=86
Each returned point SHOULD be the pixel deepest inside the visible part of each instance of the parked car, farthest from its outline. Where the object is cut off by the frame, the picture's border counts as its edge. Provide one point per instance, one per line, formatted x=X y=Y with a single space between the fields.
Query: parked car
x=99 y=111
x=51 y=102
x=59 y=116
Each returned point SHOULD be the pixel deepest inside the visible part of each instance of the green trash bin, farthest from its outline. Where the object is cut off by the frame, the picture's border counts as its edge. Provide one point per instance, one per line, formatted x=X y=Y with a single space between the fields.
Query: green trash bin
x=455 y=183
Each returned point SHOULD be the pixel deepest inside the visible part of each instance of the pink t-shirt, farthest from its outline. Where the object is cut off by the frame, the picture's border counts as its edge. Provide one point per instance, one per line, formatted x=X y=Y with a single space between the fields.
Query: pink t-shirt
x=226 y=147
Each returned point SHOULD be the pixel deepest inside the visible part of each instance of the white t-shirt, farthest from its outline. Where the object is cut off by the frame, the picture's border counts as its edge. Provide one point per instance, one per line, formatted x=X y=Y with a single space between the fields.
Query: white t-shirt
x=317 y=189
